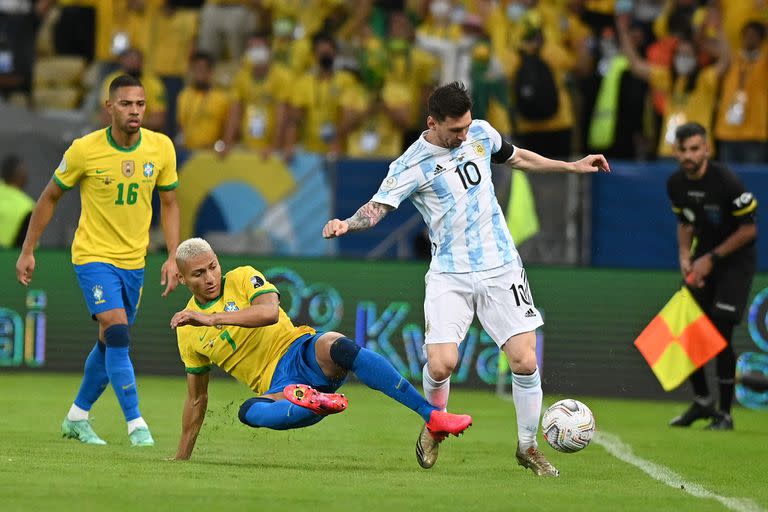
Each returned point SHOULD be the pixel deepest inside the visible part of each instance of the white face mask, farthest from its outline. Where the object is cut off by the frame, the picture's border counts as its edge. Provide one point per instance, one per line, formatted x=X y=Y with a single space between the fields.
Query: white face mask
x=258 y=55
x=440 y=9
x=684 y=64
x=515 y=12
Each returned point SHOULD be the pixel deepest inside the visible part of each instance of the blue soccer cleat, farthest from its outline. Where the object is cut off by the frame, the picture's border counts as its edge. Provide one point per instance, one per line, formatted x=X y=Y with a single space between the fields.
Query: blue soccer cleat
x=80 y=430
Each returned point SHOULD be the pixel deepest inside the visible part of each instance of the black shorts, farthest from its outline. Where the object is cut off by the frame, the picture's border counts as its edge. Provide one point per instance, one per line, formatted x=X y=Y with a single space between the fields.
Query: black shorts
x=726 y=291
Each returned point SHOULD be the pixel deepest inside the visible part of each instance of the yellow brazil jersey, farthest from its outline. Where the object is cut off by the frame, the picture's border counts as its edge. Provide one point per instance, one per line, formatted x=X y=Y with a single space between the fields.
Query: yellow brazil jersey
x=682 y=105
x=249 y=354
x=260 y=99
x=379 y=136
x=744 y=86
x=202 y=116
x=323 y=101
x=116 y=194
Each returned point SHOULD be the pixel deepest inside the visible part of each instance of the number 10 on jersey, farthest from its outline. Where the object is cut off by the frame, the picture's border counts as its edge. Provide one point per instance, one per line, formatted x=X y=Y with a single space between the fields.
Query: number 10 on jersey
x=469 y=174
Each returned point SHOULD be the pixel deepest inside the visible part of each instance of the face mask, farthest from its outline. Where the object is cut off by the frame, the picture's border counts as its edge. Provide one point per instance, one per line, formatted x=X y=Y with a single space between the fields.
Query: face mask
x=326 y=62
x=515 y=12
x=258 y=55
x=752 y=55
x=440 y=9
x=684 y=64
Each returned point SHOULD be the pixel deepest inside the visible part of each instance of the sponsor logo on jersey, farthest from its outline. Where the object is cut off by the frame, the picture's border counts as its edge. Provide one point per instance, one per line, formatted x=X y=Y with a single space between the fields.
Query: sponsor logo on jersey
x=98 y=294
x=149 y=169
x=439 y=169
x=257 y=281
x=231 y=306
x=530 y=313
x=128 y=167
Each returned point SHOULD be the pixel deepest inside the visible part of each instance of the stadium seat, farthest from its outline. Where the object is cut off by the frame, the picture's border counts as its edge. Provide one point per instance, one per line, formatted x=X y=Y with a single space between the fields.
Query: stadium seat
x=58 y=98
x=63 y=70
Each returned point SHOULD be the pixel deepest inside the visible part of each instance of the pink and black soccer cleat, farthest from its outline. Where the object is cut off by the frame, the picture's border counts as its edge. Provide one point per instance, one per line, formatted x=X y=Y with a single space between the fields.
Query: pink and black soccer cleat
x=442 y=423
x=317 y=402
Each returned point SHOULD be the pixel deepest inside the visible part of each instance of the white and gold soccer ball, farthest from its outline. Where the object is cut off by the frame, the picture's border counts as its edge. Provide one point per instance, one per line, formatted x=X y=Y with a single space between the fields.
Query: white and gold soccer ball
x=568 y=425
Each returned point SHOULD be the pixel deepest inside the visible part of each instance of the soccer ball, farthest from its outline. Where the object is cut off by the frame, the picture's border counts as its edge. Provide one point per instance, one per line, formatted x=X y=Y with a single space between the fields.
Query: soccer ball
x=568 y=425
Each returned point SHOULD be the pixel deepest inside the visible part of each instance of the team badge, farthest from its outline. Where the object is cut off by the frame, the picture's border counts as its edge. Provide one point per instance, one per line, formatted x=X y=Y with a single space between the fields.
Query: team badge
x=479 y=148
x=149 y=169
x=257 y=281
x=98 y=294
x=128 y=167
x=389 y=183
x=231 y=306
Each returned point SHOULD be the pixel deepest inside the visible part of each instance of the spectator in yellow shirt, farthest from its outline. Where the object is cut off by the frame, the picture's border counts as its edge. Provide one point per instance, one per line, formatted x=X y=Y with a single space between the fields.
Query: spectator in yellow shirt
x=132 y=63
x=689 y=90
x=742 y=119
x=318 y=101
x=202 y=109
x=260 y=97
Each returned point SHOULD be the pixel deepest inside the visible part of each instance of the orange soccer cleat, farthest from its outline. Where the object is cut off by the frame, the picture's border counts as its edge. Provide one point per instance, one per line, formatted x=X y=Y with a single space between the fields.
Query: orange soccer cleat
x=317 y=402
x=442 y=423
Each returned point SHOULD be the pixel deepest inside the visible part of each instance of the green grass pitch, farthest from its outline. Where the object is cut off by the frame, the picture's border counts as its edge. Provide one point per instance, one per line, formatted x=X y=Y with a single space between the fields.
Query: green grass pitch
x=362 y=459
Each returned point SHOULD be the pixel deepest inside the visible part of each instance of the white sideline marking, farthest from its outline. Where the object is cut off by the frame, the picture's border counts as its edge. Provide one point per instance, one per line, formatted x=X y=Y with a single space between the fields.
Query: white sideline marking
x=622 y=451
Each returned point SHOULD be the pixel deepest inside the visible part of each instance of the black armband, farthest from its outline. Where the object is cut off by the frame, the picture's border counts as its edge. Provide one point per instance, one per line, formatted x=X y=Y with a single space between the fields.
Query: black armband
x=504 y=153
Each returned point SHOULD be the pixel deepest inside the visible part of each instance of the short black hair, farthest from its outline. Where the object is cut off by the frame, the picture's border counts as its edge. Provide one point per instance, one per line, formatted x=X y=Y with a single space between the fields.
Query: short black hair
x=201 y=55
x=123 y=81
x=450 y=100
x=324 y=37
x=688 y=130
x=9 y=167
x=756 y=26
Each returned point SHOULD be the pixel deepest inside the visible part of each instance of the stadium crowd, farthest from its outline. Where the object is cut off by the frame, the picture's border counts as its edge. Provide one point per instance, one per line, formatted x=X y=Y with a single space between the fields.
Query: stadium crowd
x=349 y=77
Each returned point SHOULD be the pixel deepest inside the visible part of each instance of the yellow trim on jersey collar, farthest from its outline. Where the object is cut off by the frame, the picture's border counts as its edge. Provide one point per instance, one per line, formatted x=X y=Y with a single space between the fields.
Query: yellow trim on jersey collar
x=118 y=147
x=214 y=301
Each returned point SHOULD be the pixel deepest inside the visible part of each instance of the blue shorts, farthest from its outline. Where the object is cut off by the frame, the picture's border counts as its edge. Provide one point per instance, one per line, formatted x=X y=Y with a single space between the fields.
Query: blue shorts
x=299 y=366
x=107 y=287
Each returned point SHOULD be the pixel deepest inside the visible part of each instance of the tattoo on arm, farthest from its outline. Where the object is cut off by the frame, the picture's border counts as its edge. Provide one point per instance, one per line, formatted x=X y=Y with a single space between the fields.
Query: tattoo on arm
x=368 y=216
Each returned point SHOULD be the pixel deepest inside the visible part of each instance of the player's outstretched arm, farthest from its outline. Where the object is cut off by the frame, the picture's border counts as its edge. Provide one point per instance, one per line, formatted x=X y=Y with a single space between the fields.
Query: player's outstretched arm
x=41 y=216
x=529 y=161
x=364 y=218
x=169 y=218
x=264 y=310
x=194 y=413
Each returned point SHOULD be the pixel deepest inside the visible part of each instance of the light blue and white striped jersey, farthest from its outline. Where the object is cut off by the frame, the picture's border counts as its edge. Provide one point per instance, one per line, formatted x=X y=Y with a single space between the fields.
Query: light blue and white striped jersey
x=452 y=190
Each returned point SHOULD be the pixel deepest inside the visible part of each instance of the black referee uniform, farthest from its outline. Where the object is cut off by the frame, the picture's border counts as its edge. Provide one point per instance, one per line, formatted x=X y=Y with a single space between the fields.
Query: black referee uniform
x=716 y=205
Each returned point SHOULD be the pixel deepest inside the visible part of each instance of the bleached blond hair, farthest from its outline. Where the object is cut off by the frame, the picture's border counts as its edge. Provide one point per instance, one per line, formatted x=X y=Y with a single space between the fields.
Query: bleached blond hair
x=191 y=248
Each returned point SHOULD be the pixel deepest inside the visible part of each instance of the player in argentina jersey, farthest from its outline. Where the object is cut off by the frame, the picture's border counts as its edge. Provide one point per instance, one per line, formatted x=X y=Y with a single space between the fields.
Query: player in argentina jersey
x=475 y=267
x=236 y=323
x=117 y=169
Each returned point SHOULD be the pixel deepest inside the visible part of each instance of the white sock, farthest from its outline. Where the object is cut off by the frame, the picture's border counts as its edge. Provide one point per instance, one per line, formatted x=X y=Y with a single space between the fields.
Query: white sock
x=77 y=414
x=134 y=424
x=527 y=395
x=436 y=392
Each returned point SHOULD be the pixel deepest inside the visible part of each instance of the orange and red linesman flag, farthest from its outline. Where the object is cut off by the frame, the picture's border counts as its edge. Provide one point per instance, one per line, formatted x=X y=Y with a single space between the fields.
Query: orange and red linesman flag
x=679 y=340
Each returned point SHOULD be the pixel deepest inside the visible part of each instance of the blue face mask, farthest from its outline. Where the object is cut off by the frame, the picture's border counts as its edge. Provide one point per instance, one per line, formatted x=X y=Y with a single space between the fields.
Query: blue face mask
x=516 y=11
